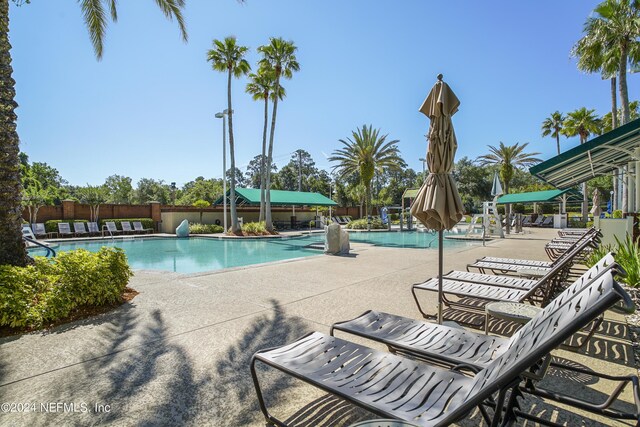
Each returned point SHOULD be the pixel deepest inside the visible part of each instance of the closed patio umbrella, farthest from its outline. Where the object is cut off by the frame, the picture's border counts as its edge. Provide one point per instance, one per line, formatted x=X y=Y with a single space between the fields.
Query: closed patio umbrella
x=437 y=204
x=496 y=189
x=595 y=209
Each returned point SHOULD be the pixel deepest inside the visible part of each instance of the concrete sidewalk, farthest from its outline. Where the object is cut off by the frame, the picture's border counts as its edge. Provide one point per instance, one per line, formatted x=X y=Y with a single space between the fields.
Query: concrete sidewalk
x=179 y=352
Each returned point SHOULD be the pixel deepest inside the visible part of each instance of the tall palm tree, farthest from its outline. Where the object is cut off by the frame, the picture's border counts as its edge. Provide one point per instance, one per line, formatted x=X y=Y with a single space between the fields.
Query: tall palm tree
x=582 y=122
x=228 y=56
x=365 y=154
x=552 y=126
x=280 y=56
x=616 y=24
x=12 y=249
x=595 y=56
x=262 y=86
x=508 y=158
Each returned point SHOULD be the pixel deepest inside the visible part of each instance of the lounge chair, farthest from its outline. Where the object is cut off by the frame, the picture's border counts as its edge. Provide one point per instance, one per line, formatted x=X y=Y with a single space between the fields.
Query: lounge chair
x=80 y=229
x=569 y=232
x=538 y=221
x=396 y=387
x=137 y=226
x=27 y=232
x=526 y=222
x=93 y=228
x=547 y=222
x=111 y=228
x=39 y=230
x=346 y=219
x=513 y=265
x=476 y=290
x=126 y=227
x=64 y=229
x=455 y=347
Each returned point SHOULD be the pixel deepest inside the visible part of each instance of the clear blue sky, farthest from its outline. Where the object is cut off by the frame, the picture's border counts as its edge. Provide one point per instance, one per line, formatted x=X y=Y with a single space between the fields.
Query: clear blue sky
x=147 y=109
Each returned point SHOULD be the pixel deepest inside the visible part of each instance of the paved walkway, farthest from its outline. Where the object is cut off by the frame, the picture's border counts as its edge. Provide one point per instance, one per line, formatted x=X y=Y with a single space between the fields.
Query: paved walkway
x=179 y=353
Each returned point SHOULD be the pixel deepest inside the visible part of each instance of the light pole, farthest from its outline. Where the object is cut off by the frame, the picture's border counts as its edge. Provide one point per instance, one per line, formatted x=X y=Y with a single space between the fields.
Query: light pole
x=330 y=188
x=224 y=165
x=424 y=167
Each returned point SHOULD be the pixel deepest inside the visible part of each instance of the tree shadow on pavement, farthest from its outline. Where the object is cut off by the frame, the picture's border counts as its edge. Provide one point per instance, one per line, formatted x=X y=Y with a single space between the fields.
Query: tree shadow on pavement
x=236 y=402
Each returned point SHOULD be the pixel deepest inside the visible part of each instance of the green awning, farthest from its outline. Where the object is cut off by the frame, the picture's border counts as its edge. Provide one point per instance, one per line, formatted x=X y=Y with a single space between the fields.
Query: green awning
x=539 y=196
x=594 y=158
x=251 y=196
x=410 y=193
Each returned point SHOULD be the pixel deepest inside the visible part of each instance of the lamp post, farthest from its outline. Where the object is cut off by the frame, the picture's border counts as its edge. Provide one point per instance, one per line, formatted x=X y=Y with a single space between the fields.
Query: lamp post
x=224 y=166
x=173 y=194
x=424 y=167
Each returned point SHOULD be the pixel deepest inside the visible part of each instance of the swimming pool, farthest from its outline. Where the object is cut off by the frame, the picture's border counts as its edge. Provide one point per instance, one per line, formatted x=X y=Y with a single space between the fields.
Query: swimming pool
x=199 y=254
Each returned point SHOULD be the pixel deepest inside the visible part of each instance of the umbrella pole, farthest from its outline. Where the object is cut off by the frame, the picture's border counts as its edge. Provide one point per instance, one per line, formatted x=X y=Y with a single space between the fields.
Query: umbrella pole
x=440 y=293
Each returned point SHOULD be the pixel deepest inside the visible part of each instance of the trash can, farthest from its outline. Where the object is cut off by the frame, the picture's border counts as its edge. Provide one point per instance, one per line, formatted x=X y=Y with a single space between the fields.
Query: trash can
x=560 y=220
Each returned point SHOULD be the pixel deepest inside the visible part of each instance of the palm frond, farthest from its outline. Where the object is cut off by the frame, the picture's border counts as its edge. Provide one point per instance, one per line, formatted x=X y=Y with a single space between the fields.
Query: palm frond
x=173 y=9
x=96 y=21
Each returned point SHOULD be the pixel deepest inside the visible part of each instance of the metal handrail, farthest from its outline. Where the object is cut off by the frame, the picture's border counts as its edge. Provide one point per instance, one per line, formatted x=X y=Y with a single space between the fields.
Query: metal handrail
x=35 y=242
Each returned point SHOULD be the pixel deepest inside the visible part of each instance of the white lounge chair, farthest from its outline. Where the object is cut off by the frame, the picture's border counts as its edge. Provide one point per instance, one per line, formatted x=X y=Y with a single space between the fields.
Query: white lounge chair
x=126 y=227
x=111 y=228
x=64 y=229
x=80 y=229
x=93 y=228
x=137 y=226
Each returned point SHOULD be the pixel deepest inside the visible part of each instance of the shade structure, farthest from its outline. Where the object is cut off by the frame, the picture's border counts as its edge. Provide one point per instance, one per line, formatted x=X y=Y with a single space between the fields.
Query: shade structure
x=595 y=209
x=496 y=188
x=437 y=204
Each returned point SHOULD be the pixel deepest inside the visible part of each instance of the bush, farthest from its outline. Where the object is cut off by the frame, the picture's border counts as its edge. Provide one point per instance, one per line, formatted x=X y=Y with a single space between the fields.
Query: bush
x=50 y=289
x=361 y=224
x=617 y=213
x=627 y=254
x=51 y=226
x=146 y=222
x=517 y=208
x=255 y=228
x=197 y=228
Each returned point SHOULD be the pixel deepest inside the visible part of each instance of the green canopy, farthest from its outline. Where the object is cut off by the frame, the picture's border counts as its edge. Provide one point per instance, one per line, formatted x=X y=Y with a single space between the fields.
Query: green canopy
x=596 y=157
x=251 y=196
x=410 y=193
x=539 y=196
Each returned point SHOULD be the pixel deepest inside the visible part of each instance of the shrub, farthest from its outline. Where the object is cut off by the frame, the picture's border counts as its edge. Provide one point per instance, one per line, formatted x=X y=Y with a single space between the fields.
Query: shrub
x=48 y=290
x=196 y=228
x=255 y=228
x=146 y=222
x=617 y=213
x=361 y=224
x=627 y=254
x=517 y=208
x=51 y=226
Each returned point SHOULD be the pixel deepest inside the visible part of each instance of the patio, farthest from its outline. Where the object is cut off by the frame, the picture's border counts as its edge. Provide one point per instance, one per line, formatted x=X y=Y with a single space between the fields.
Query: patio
x=179 y=353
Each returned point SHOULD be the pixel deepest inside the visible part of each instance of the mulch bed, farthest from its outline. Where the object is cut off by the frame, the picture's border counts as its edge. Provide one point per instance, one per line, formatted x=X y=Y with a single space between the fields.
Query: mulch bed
x=80 y=313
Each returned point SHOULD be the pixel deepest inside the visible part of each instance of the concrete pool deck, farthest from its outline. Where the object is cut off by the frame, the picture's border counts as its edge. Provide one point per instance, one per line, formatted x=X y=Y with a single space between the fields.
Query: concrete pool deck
x=179 y=353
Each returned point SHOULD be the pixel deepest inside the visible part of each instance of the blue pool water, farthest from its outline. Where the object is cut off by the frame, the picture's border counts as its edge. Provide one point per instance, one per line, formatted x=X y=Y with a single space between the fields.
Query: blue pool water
x=196 y=254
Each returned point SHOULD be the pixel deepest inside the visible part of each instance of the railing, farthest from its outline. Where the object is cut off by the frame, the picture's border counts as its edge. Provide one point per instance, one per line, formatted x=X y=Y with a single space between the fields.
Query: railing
x=35 y=242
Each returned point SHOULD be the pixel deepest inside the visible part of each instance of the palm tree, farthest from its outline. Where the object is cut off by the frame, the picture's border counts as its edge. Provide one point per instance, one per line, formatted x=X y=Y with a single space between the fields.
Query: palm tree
x=616 y=25
x=508 y=158
x=594 y=55
x=582 y=122
x=552 y=125
x=280 y=56
x=262 y=86
x=227 y=56
x=366 y=154
x=12 y=249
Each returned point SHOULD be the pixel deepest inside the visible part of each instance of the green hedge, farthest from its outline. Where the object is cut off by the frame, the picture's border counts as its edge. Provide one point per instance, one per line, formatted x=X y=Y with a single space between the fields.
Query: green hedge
x=361 y=224
x=197 y=228
x=50 y=289
x=146 y=222
x=51 y=226
x=255 y=228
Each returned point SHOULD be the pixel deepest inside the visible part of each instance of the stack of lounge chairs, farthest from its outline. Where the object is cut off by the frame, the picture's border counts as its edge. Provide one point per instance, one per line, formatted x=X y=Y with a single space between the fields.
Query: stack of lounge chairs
x=436 y=375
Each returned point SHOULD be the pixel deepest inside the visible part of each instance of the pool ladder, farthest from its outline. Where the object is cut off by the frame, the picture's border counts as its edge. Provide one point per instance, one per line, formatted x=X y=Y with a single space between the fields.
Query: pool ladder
x=50 y=250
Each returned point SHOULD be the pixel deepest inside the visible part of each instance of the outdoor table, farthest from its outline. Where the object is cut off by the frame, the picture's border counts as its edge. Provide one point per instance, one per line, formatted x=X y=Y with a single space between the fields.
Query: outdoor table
x=512 y=311
x=531 y=273
x=383 y=423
